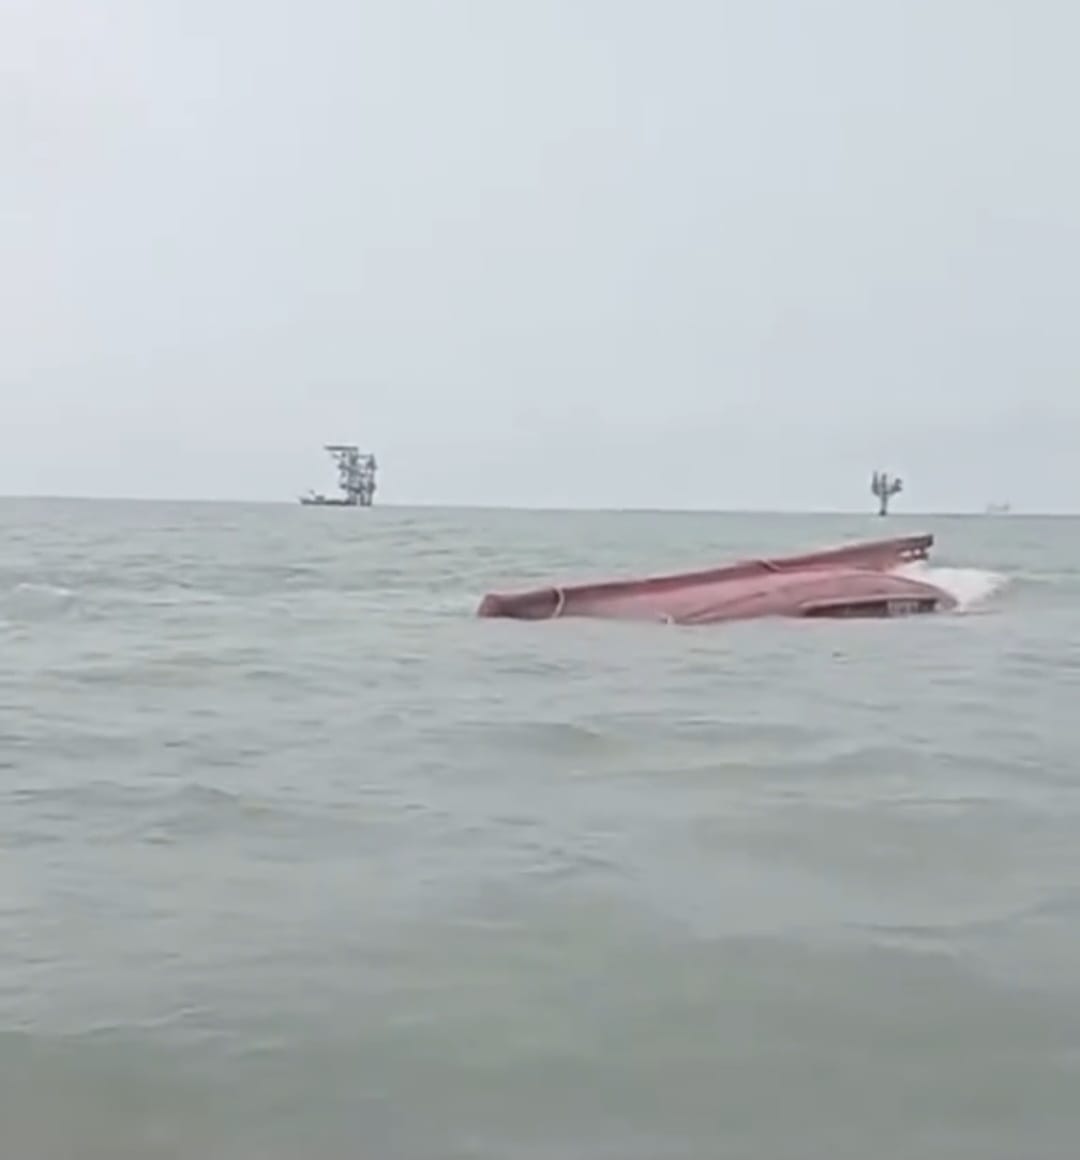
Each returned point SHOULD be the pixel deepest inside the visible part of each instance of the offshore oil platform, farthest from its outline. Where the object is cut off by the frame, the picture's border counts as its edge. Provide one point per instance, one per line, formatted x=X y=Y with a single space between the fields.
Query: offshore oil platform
x=885 y=487
x=356 y=478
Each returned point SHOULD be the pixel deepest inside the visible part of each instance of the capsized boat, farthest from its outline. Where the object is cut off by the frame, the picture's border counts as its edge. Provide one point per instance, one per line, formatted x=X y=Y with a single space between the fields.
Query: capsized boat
x=859 y=580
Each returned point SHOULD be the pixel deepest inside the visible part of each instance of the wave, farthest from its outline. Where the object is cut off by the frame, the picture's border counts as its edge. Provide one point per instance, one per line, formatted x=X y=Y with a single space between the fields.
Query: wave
x=32 y=601
x=55 y=591
x=971 y=588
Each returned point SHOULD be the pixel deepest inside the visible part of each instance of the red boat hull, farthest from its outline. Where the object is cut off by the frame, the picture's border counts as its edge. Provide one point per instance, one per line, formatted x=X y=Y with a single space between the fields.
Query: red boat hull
x=858 y=580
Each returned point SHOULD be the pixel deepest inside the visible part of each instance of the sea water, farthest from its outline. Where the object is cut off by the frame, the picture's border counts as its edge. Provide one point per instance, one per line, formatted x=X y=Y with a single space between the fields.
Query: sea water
x=302 y=859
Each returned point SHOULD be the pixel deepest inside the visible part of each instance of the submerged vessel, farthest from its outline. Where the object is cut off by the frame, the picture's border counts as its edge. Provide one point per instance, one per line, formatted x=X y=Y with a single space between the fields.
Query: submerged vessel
x=859 y=580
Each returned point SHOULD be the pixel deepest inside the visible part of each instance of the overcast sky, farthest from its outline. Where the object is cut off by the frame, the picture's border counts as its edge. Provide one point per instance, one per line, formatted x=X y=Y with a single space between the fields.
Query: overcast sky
x=693 y=253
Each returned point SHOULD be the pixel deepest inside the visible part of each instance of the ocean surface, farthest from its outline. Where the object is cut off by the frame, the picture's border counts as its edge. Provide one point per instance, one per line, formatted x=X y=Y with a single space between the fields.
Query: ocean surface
x=301 y=860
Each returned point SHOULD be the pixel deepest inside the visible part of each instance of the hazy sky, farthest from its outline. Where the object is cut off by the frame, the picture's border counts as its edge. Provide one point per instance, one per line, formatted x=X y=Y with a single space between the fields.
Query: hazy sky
x=697 y=253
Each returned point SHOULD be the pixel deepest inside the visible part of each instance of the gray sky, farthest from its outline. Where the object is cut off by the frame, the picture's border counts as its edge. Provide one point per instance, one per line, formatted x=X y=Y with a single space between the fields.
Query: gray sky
x=587 y=252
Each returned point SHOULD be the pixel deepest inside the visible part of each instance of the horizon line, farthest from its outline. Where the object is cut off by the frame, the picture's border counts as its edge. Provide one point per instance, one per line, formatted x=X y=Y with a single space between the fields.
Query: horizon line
x=929 y=513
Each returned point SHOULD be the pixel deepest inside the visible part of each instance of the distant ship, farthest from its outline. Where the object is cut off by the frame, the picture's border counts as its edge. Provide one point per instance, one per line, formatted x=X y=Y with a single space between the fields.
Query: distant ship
x=998 y=509
x=356 y=479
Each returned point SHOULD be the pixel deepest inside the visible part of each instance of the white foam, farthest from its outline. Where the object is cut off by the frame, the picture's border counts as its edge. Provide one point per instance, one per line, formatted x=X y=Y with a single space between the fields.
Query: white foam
x=969 y=587
x=34 y=600
x=49 y=590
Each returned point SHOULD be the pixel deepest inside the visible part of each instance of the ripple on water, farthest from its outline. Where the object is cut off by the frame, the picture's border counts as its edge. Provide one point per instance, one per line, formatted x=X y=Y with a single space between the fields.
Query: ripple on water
x=303 y=858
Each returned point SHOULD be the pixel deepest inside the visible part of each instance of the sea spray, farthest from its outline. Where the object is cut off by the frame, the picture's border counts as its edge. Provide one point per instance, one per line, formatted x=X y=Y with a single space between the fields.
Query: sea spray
x=971 y=588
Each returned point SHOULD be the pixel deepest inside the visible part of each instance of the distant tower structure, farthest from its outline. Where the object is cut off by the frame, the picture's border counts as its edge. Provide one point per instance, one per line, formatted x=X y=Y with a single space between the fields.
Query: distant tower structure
x=356 y=474
x=356 y=478
x=885 y=487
